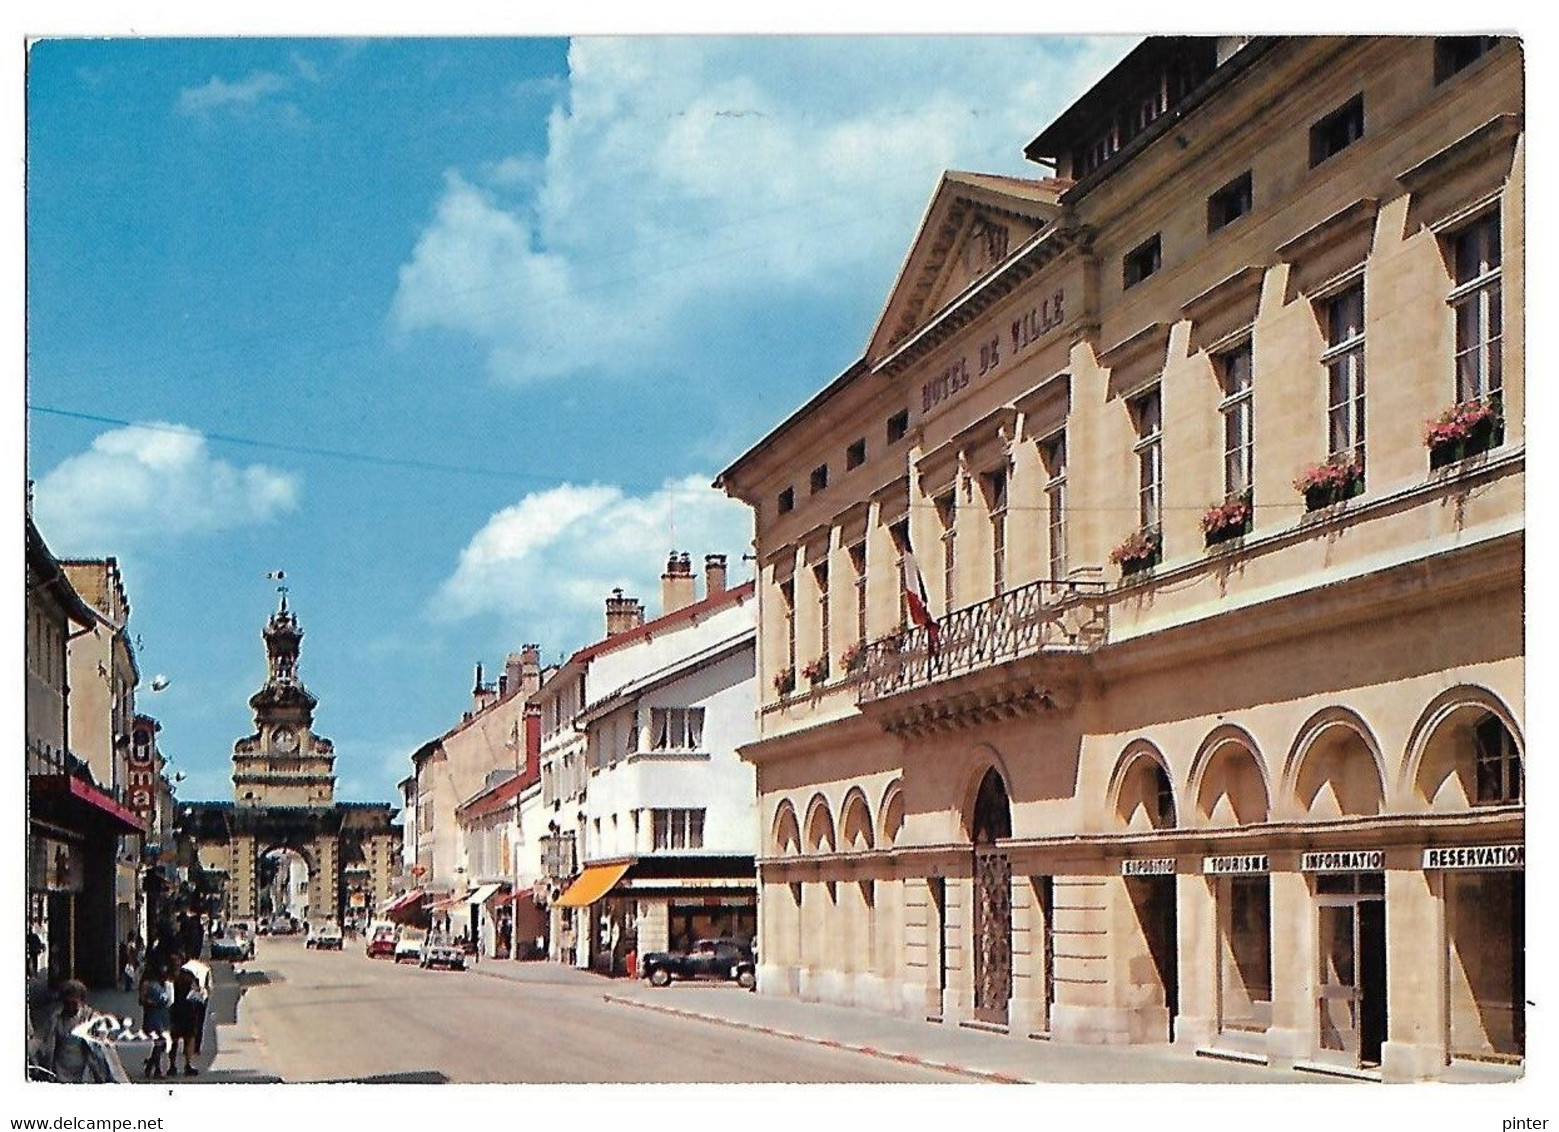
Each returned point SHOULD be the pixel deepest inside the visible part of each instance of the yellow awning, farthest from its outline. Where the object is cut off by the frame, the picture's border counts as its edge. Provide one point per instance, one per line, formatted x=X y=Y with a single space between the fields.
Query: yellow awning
x=594 y=883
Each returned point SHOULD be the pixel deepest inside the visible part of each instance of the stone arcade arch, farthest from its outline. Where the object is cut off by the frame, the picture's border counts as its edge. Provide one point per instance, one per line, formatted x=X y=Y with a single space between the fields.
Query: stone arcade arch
x=1335 y=769
x=1228 y=781
x=1143 y=796
x=787 y=831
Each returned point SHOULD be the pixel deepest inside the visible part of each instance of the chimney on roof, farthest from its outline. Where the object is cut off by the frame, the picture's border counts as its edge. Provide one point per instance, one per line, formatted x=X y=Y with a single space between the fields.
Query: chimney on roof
x=513 y=669
x=677 y=588
x=482 y=695
x=714 y=574
x=623 y=614
x=530 y=669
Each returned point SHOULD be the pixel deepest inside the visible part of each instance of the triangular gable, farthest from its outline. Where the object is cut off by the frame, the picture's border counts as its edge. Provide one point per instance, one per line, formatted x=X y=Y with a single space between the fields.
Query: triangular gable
x=975 y=221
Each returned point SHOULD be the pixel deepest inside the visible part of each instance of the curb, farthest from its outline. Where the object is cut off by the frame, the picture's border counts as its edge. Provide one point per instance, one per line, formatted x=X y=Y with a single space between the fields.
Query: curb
x=828 y=1043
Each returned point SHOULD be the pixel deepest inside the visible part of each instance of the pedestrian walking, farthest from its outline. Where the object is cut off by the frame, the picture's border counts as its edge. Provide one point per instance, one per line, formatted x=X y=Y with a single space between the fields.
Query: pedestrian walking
x=183 y=1015
x=156 y=1014
x=200 y=998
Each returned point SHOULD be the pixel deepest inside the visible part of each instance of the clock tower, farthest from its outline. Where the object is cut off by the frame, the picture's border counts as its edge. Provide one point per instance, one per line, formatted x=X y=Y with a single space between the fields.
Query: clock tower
x=283 y=763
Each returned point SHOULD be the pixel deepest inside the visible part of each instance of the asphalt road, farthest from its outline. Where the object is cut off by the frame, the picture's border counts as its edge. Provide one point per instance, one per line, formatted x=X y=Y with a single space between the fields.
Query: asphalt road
x=340 y=1016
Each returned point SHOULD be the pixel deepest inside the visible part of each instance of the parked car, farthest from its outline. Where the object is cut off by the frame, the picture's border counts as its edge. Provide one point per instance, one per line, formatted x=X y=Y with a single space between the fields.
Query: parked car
x=408 y=945
x=439 y=951
x=324 y=937
x=235 y=944
x=283 y=925
x=726 y=959
x=381 y=939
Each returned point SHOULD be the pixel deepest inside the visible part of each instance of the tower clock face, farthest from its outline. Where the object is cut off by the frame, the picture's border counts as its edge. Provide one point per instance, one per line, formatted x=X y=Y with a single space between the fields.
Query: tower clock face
x=285 y=739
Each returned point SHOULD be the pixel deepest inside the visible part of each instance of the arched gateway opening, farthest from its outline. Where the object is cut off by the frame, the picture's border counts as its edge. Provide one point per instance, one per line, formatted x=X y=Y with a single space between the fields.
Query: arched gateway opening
x=992 y=900
x=284 y=845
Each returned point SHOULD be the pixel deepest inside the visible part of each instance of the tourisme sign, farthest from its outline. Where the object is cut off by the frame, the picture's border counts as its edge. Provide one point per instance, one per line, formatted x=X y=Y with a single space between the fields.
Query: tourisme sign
x=1237 y=864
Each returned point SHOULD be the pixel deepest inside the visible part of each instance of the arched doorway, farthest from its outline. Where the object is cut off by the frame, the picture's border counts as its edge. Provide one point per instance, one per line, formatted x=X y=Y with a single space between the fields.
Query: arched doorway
x=285 y=875
x=992 y=901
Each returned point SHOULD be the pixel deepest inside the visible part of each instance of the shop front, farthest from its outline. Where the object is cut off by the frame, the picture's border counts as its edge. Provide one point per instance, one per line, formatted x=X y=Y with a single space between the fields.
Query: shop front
x=1485 y=941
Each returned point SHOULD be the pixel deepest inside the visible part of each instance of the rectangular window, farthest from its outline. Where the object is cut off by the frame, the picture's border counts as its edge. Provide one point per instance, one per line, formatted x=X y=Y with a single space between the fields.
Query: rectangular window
x=858 y=566
x=1453 y=53
x=855 y=455
x=1053 y=453
x=788 y=605
x=996 y=502
x=676 y=729
x=1142 y=261
x=632 y=745
x=1148 y=417
x=1476 y=303
x=1234 y=373
x=819 y=478
x=787 y=500
x=677 y=829
x=1337 y=131
x=1229 y=203
x=820 y=577
x=947 y=512
x=1344 y=361
x=900 y=535
x=898 y=426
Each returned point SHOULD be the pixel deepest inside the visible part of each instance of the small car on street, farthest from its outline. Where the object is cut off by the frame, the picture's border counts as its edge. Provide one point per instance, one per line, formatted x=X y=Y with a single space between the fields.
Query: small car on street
x=408 y=945
x=235 y=944
x=324 y=937
x=440 y=951
x=380 y=939
x=727 y=959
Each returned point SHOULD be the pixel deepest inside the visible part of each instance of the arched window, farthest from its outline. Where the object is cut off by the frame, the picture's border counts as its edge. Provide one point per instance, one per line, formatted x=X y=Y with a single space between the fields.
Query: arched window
x=1499 y=763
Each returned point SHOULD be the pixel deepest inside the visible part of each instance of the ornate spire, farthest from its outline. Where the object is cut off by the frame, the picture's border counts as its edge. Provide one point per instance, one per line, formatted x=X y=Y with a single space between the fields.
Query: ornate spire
x=283 y=689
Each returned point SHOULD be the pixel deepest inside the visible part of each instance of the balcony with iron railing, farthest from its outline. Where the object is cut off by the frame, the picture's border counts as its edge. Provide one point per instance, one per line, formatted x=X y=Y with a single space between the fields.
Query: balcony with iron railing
x=1041 y=617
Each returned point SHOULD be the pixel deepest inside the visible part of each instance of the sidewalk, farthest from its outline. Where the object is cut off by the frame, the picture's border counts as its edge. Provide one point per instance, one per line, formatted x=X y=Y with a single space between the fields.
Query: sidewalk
x=231 y=1053
x=951 y=1048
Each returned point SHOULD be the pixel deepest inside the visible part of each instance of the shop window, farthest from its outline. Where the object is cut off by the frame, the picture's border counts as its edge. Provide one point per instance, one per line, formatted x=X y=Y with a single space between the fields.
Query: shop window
x=1142 y=261
x=1454 y=53
x=1246 y=955
x=1337 y=131
x=855 y=455
x=1229 y=203
x=1499 y=764
x=1475 y=299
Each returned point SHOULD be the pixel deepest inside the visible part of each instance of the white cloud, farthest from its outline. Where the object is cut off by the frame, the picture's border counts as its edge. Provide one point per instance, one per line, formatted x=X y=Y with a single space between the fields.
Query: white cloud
x=546 y=565
x=152 y=482
x=218 y=93
x=751 y=169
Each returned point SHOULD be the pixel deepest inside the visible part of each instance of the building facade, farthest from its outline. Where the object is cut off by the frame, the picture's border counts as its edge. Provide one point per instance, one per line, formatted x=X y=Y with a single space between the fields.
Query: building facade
x=1212 y=731
x=640 y=775
x=76 y=824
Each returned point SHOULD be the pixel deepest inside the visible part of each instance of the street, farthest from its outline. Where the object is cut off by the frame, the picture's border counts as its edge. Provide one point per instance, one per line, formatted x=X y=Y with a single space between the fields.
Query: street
x=340 y=1016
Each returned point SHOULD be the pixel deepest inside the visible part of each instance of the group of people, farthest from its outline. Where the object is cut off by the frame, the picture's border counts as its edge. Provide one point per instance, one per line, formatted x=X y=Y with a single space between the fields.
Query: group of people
x=174 y=990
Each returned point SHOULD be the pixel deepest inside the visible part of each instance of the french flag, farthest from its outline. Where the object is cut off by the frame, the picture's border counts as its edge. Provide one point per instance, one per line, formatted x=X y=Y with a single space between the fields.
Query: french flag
x=918 y=600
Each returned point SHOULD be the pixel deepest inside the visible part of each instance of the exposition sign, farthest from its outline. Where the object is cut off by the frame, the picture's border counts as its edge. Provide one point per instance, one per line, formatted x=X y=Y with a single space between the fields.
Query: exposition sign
x=1148 y=867
x=1476 y=857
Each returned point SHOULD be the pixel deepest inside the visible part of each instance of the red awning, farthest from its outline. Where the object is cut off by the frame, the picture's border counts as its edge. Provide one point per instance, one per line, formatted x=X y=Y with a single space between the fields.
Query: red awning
x=80 y=800
x=404 y=901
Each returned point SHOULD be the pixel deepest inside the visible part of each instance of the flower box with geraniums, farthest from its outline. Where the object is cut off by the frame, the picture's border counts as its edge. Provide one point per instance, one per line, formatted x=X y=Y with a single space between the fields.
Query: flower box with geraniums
x=1139 y=551
x=1229 y=519
x=1331 y=482
x=853 y=659
x=1464 y=430
x=817 y=671
x=785 y=681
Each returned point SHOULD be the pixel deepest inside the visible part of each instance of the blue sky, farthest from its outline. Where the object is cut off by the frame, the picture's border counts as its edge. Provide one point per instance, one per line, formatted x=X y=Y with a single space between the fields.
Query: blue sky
x=546 y=289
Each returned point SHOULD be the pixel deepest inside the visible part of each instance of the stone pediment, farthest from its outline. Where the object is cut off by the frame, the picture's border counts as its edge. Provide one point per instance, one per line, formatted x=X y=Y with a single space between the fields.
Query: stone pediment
x=974 y=223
